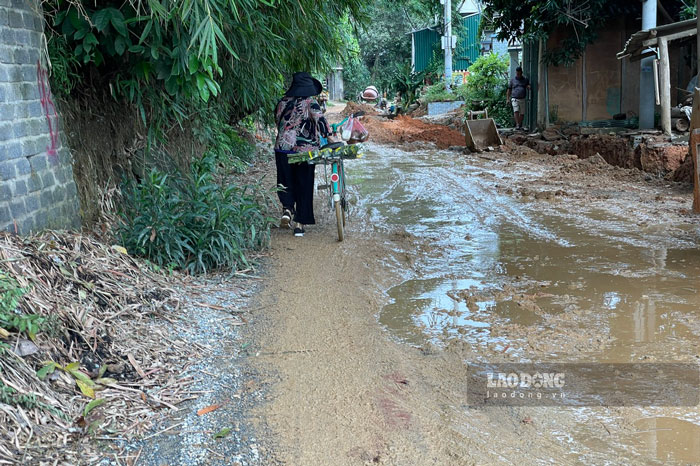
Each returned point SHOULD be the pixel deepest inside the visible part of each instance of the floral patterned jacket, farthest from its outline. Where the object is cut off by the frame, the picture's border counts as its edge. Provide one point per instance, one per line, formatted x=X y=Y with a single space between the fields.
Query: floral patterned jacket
x=300 y=123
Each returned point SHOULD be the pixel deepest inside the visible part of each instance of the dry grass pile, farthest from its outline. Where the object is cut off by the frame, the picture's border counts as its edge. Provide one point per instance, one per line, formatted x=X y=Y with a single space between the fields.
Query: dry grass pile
x=104 y=360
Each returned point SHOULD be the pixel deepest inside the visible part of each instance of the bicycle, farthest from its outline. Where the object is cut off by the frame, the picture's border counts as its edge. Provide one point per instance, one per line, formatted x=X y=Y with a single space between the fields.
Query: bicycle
x=335 y=184
x=332 y=156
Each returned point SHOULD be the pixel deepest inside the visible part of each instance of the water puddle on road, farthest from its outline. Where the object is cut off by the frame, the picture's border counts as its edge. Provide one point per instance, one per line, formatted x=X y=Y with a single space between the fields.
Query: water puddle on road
x=549 y=280
x=482 y=260
x=669 y=439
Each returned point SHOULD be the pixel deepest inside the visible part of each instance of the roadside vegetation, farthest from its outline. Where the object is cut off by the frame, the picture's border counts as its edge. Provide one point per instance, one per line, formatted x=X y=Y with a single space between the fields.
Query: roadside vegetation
x=194 y=223
x=486 y=87
x=193 y=67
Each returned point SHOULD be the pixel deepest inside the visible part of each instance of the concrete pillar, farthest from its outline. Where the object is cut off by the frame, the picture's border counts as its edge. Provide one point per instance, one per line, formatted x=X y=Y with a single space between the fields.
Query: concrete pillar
x=514 y=53
x=447 y=44
x=646 y=75
x=665 y=85
x=37 y=187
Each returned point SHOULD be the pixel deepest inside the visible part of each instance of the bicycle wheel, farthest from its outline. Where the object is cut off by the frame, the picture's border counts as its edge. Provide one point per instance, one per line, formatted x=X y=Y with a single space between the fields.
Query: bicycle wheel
x=340 y=220
x=343 y=200
x=344 y=206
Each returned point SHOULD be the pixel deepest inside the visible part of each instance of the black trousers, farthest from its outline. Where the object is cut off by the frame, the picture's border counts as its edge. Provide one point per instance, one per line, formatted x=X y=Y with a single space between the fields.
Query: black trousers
x=298 y=192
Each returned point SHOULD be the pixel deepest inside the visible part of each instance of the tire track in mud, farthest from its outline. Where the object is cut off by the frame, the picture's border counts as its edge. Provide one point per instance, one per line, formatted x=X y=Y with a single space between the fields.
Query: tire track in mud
x=455 y=179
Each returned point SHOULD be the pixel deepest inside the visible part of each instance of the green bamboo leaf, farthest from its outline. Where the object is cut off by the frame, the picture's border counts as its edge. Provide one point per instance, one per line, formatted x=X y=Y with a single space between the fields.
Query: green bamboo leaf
x=106 y=381
x=146 y=31
x=117 y=20
x=81 y=376
x=85 y=388
x=222 y=433
x=213 y=86
x=92 y=405
x=46 y=370
x=72 y=367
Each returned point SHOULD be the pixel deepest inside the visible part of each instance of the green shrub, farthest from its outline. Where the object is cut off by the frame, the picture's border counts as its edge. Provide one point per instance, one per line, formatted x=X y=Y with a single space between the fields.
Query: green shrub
x=407 y=82
x=437 y=93
x=355 y=78
x=487 y=87
x=193 y=224
x=11 y=318
x=63 y=66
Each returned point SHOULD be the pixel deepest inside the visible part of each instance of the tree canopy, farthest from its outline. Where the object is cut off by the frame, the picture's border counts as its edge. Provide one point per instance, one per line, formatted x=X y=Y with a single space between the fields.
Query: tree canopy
x=173 y=57
x=529 y=20
x=383 y=48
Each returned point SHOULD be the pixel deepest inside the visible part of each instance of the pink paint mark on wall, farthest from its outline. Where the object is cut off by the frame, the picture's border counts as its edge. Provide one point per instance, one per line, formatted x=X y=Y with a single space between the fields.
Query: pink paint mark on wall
x=49 y=110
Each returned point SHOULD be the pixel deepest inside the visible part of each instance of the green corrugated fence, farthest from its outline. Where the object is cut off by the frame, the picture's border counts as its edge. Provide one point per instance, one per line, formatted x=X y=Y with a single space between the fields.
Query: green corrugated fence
x=427 y=40
x=468 y=43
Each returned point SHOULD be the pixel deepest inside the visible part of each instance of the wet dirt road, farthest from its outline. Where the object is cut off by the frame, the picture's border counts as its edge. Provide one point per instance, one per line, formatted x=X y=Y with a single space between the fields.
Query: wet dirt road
x=454 y=259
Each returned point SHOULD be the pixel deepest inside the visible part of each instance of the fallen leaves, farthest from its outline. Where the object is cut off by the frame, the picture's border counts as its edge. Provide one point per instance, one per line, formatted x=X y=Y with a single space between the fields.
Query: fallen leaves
x=104 y=306
x=222 y=433
x=92 y=405
x=136 y=366
x=208 y=409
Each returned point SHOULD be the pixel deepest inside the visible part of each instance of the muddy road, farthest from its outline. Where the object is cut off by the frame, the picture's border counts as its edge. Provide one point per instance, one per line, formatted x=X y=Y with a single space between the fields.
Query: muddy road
x=452 y=259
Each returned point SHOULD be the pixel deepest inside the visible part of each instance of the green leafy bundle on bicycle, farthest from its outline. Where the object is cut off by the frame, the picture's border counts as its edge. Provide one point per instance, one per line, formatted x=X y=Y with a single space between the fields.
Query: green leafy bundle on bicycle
x=351 y=151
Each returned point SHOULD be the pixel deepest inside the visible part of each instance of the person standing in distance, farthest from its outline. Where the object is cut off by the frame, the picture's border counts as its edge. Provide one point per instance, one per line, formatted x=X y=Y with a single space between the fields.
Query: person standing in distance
x=517 y=92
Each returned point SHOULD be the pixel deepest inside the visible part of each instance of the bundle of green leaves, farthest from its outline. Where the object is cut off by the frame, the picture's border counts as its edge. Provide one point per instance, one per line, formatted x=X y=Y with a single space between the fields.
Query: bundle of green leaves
x=11 y=316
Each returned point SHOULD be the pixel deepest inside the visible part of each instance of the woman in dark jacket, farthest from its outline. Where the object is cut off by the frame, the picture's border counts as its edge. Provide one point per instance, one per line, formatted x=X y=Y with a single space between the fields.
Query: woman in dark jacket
x=300 y=124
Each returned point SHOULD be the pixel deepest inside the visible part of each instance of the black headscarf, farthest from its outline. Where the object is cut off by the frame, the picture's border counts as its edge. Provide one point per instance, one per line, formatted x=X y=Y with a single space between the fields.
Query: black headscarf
x=304 y=85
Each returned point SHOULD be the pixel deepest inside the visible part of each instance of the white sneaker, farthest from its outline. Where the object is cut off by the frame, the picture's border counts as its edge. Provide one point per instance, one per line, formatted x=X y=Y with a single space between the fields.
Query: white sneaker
x=286 y=220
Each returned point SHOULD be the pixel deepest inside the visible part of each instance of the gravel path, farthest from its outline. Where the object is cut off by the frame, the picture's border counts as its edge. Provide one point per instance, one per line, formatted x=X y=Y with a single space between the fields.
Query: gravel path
x=218 y=308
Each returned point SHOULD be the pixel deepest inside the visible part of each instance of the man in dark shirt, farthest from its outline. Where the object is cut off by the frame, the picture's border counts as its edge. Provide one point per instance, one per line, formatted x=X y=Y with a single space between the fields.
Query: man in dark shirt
x=517 y=92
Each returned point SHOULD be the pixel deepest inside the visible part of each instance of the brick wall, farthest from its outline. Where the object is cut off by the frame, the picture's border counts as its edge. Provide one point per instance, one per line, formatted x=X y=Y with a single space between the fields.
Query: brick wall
x=37 y=189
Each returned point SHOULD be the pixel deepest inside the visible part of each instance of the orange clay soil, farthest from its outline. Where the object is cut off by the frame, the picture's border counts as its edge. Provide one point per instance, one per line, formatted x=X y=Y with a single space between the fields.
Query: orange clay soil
x=404 y=129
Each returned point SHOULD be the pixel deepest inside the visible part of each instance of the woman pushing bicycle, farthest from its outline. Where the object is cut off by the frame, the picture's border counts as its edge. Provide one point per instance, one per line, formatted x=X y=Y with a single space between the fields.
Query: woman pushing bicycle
x=300 y=126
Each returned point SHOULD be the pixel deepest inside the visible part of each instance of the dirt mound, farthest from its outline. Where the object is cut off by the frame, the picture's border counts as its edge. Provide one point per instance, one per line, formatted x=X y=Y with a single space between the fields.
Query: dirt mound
x=354 y=107
x=684 y=173
x=404 y=129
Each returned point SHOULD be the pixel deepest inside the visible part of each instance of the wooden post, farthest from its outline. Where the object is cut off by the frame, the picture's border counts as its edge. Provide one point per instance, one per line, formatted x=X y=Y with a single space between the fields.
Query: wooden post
x=665 y=86
x=541 y=92
x=693 y=143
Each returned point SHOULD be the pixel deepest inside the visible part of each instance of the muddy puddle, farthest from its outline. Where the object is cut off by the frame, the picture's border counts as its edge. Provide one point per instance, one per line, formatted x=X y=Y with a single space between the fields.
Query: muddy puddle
x=521 y=277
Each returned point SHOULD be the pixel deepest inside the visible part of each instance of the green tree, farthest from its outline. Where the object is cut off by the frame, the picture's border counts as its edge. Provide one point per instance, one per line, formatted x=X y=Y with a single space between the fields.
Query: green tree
x=384 y=43
x=172 y=58
x=486 y=87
